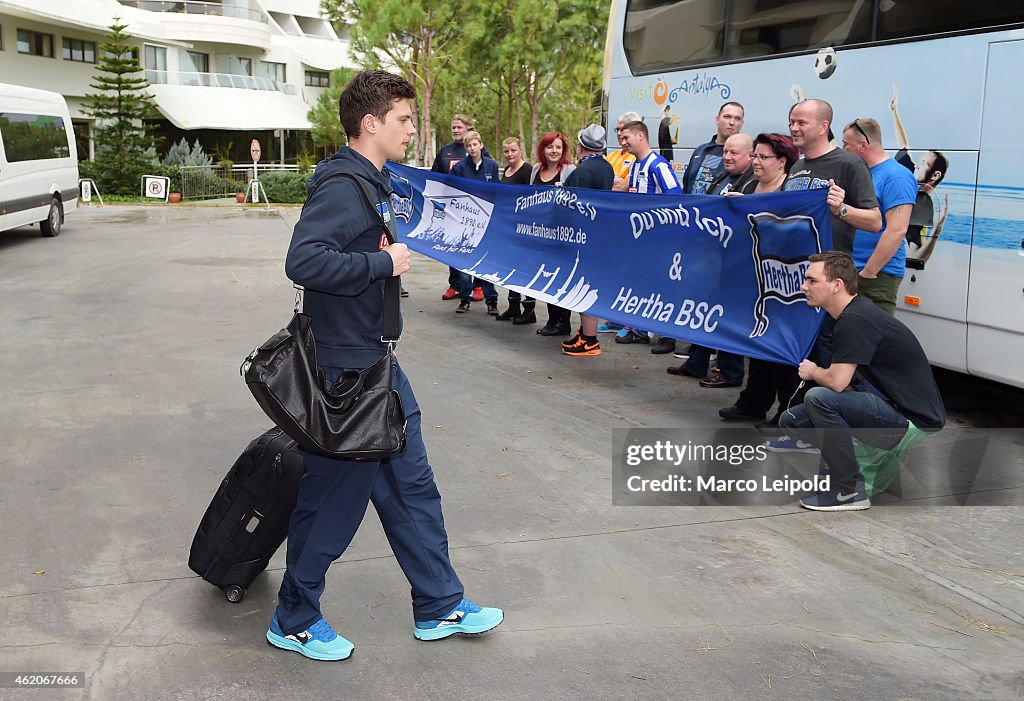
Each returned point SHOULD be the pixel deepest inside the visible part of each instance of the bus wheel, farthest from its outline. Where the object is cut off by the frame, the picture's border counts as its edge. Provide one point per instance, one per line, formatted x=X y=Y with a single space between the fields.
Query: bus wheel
x=51 y=225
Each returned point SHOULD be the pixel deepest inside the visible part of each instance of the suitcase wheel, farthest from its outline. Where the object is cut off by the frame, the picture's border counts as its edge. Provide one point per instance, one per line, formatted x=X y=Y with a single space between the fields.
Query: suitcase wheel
x=234 y=593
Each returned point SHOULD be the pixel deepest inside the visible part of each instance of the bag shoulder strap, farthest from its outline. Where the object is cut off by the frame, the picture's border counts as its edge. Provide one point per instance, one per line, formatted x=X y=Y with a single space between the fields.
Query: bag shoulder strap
x=392 y=285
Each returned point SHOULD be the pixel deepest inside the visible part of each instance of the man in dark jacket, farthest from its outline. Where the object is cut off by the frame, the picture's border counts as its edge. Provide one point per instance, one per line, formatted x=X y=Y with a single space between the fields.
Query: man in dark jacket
x=445 y=160
x=592 y=171
x=478 y=167
x=340 y=255
x=595 y=173
x=706 y=162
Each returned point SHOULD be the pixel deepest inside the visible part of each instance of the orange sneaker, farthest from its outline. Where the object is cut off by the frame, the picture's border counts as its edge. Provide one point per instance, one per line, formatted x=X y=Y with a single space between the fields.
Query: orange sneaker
x=450 y=293
x=582 y=347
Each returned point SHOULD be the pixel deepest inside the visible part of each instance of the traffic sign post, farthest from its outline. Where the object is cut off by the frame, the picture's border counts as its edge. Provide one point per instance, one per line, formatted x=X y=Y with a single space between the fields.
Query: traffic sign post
x=255 y=187
x=156 y=187
x=255 y=151
x=87 y=186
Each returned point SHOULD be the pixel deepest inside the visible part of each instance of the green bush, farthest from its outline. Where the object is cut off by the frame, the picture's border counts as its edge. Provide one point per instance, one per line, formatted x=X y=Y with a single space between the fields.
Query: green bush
x=285 y=186
x=110 y=181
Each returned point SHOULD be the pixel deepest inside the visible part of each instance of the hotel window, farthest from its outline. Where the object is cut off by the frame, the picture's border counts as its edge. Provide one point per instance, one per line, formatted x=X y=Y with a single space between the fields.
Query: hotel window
x=200 y=62
x=156 y=64
x=78 y=50
x=274 y=71
x=35 y=43
x=318 y=79
x=132 y=53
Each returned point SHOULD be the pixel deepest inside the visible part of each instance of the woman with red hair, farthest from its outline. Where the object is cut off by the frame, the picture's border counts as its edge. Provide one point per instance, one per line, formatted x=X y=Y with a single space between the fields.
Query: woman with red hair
x=552 y=168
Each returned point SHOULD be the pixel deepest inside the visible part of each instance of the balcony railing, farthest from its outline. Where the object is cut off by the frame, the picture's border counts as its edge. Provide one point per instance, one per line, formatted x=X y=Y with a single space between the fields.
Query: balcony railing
x=198 y=8
x=219 y=80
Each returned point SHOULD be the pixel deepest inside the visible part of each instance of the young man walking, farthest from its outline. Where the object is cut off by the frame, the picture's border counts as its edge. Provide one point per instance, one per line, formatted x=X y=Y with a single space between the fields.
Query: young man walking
x=339 y=254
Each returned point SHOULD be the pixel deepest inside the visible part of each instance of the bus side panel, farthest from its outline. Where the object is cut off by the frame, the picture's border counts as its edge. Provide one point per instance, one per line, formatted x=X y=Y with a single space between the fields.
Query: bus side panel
x=995 y=313
x=897 y=85
x=932 y=299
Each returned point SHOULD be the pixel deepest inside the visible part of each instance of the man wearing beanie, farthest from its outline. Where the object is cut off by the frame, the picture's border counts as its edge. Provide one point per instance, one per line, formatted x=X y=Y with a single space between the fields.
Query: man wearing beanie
x=596 y=173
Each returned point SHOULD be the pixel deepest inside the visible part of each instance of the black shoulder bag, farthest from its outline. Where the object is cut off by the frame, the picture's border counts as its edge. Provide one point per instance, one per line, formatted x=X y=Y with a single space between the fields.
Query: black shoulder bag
x=360 y=415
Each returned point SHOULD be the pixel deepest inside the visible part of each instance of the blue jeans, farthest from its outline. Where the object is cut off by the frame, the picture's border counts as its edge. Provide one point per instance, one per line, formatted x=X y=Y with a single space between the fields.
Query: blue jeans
x=333 y=496
x=729 y=364
x=831 y=420
x=465 y=288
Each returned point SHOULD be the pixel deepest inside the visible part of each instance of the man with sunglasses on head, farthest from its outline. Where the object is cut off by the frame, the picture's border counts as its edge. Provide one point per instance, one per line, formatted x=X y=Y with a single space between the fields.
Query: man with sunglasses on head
x=881 y=258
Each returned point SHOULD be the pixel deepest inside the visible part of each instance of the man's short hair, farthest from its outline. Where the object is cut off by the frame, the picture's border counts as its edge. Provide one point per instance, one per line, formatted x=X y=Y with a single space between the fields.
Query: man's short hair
x=732 y=103
x=630 y=116
x=838 y=266
x=869 y=126
x=637 y=126
x=940 y=164
x=822 y=111
x=468 y=121
x=472 y=136
x=740 y=137
x=370 y=92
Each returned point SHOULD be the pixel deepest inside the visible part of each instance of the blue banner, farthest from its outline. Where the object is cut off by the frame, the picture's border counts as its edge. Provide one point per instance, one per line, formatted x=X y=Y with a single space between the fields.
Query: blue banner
x=724 y=272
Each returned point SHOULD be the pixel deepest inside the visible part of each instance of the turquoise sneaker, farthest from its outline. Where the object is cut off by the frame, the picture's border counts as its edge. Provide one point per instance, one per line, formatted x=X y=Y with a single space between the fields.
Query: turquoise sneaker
x=319 y=642
x=466 y=618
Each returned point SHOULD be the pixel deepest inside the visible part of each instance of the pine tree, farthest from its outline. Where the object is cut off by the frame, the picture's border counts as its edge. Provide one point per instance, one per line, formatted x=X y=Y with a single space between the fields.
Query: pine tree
x=326 y=130
x=121 y=105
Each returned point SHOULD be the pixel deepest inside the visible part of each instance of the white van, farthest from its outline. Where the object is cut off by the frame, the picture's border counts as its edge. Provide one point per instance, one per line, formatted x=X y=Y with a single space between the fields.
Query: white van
x=38 y=159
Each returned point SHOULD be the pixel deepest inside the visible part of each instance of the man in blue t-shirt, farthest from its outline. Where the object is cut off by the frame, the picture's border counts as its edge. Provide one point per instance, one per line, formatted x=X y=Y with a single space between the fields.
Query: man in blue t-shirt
x=881 y=258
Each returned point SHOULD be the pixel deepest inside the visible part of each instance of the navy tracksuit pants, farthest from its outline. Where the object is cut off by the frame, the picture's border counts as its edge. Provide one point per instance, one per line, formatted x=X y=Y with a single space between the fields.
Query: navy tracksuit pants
x=332 y=500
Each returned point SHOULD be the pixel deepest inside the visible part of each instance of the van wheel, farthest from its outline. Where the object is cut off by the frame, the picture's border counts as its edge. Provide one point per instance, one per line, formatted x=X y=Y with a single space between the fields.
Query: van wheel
x=51 y=225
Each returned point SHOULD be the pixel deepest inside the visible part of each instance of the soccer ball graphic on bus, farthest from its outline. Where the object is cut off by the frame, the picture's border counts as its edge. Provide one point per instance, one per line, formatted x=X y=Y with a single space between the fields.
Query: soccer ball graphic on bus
x=825 y=62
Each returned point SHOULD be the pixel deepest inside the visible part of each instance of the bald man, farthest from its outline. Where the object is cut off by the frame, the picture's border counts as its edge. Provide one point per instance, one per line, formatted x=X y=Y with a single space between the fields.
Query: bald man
x=851 y=193
x=738 y=159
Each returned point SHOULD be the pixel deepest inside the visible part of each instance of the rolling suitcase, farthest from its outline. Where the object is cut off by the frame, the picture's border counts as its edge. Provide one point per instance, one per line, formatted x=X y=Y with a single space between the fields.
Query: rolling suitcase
x=248 y=518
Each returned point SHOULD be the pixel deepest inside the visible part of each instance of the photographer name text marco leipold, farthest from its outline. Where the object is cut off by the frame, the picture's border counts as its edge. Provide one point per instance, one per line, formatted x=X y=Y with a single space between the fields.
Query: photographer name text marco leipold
x=711 y=483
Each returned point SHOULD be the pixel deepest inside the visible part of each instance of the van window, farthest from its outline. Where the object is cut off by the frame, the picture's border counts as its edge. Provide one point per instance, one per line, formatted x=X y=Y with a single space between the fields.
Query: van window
x=33 y=137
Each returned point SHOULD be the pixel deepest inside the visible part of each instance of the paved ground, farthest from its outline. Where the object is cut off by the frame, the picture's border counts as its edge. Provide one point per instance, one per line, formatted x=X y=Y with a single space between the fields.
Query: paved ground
x=123 y=408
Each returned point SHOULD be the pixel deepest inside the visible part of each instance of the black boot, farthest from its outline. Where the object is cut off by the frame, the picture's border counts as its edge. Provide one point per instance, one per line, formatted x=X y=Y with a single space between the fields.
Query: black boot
x=528 y=316
x=511 y=313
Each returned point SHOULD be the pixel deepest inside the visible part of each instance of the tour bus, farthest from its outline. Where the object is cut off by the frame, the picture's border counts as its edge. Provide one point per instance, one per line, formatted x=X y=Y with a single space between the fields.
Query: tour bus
x=38 y=159
x=940 y=77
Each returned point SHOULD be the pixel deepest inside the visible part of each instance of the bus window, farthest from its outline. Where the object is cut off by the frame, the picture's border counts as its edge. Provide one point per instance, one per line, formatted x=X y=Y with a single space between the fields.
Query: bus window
x=663 y=33
x=31 y=137
x=766 y=27
x=900 y=18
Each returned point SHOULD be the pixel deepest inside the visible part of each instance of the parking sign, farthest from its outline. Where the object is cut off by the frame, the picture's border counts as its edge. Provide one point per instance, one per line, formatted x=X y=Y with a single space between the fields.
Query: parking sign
x=155 y=186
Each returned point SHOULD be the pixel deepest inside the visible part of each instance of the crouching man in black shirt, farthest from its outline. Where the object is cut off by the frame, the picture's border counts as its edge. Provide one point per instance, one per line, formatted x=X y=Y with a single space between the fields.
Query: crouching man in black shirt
x=879 y=379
